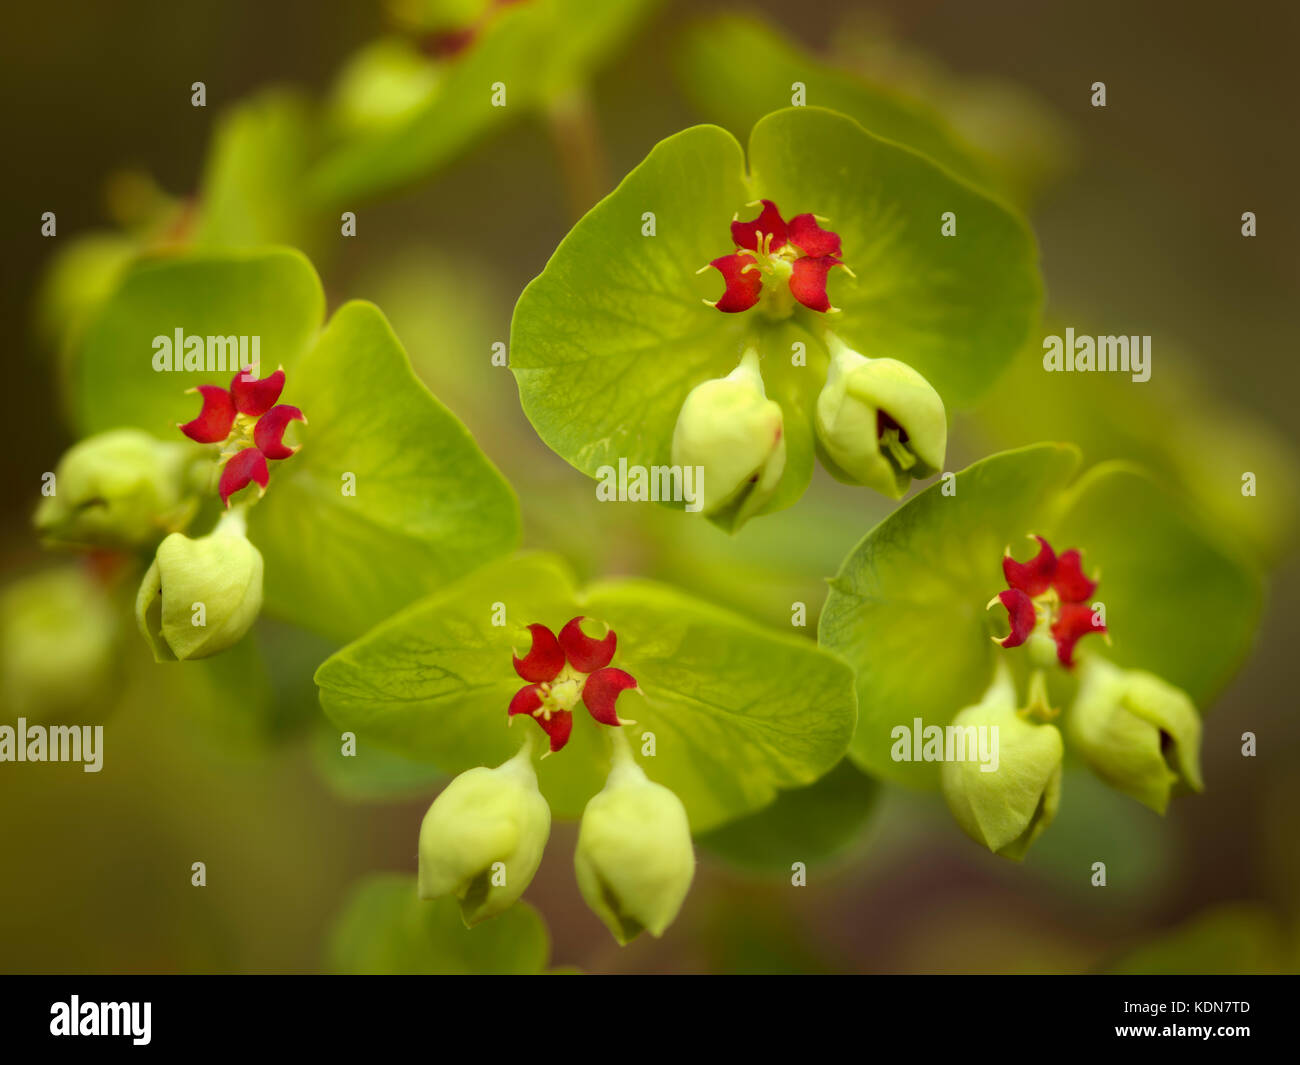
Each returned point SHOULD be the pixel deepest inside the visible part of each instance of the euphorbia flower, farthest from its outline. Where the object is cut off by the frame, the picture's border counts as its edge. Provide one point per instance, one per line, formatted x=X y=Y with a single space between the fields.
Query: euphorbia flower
x=1056 y=586
x=799 y=253
x=564 y=669
x=247 y=421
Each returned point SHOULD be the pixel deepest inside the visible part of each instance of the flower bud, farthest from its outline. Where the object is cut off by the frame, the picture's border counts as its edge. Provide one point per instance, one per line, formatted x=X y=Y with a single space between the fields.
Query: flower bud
x=483 y=837
x=730 y=429
x=121 y=489
x=1139 y=733
x=1005 y=808
x=200 y=596
x=58 y=646
x=879 y=422
x=634 y=860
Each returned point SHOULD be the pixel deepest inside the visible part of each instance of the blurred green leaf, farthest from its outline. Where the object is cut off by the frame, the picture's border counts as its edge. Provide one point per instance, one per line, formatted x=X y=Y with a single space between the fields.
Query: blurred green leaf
x=1163 y=424
x=737 y=712
x=814 y=825
x=1233 y=938
x=428 y=505
x=250 y=194
x=1178 y=603
x=537 y=51
x=386 y=929
x=736 y=69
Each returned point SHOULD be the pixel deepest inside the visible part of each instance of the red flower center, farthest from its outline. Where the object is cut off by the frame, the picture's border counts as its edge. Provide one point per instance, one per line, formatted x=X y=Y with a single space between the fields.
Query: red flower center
x=249 y=424
x=564 y=670
x=1054 y=588
x=795 y=257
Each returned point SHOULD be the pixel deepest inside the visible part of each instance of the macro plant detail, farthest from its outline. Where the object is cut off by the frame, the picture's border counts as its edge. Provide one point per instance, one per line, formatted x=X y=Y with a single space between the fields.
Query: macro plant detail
x=620 y=354
x=564 y=670
x=249 y=424
x=1048 y=598
x=1128 y=710
x=336 y=630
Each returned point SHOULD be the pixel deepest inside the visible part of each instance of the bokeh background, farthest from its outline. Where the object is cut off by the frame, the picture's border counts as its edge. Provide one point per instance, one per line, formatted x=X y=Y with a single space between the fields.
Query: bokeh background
x=1137 y=208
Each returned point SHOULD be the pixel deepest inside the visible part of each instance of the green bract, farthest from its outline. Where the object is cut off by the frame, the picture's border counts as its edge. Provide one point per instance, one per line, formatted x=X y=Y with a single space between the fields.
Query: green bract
x=733 y=712
x=389 y=496
x=610 y=339
x=907 y=609
x=386 y=929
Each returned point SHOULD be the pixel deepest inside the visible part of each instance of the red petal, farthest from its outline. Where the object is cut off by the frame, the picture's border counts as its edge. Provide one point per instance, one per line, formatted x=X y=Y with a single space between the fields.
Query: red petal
x=1073 y=622
x=1070 y=583
x=247 y=465
x=586 y=654
x=744 y=281
x=526 y=700
x=808 y=281
x=558 y=728
x=544 y=661
x=747 y=234
x=268 y=433
x=255 y=397
x=1035 y=576
x=215 y=419
x=1020 y=614
x=601 y=691
x=811 y=239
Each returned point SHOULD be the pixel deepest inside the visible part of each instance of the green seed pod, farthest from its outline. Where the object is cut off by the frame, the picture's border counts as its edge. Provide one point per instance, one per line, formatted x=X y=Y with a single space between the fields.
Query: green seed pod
x=121 y=489
x=1005 y=808
x=200 y=596
x=59 y=651
x=634 y=860
x=1139 y=733
x=483 y=837
x=736 y=435
x=879 y=422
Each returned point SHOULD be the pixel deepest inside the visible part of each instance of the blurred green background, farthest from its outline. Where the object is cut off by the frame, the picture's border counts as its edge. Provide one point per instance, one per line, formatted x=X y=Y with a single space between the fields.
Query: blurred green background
x=1137 y=207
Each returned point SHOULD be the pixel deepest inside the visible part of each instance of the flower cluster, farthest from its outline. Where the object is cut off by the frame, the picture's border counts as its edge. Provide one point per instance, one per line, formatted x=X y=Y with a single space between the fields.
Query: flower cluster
x=482 y=840
x=246 y=420
x=1051 y=591
x=877 y=421
x=563 y=670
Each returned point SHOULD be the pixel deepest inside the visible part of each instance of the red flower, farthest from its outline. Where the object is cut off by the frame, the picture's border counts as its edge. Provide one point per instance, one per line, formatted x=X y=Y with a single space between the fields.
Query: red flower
x=246 y=419
x=799 y=252
x=1058 y=586
x=563 y=670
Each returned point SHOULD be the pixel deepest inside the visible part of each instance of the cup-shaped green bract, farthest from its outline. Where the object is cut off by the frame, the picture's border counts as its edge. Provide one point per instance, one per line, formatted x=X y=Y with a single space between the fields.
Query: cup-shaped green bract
x=121 y=489
x=482 y=839
x=736 y=435
x=58 y=645
x=1008 y=802
x=199 y=597
x=634 y=860
x=879 y=422
x=1139 y=733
